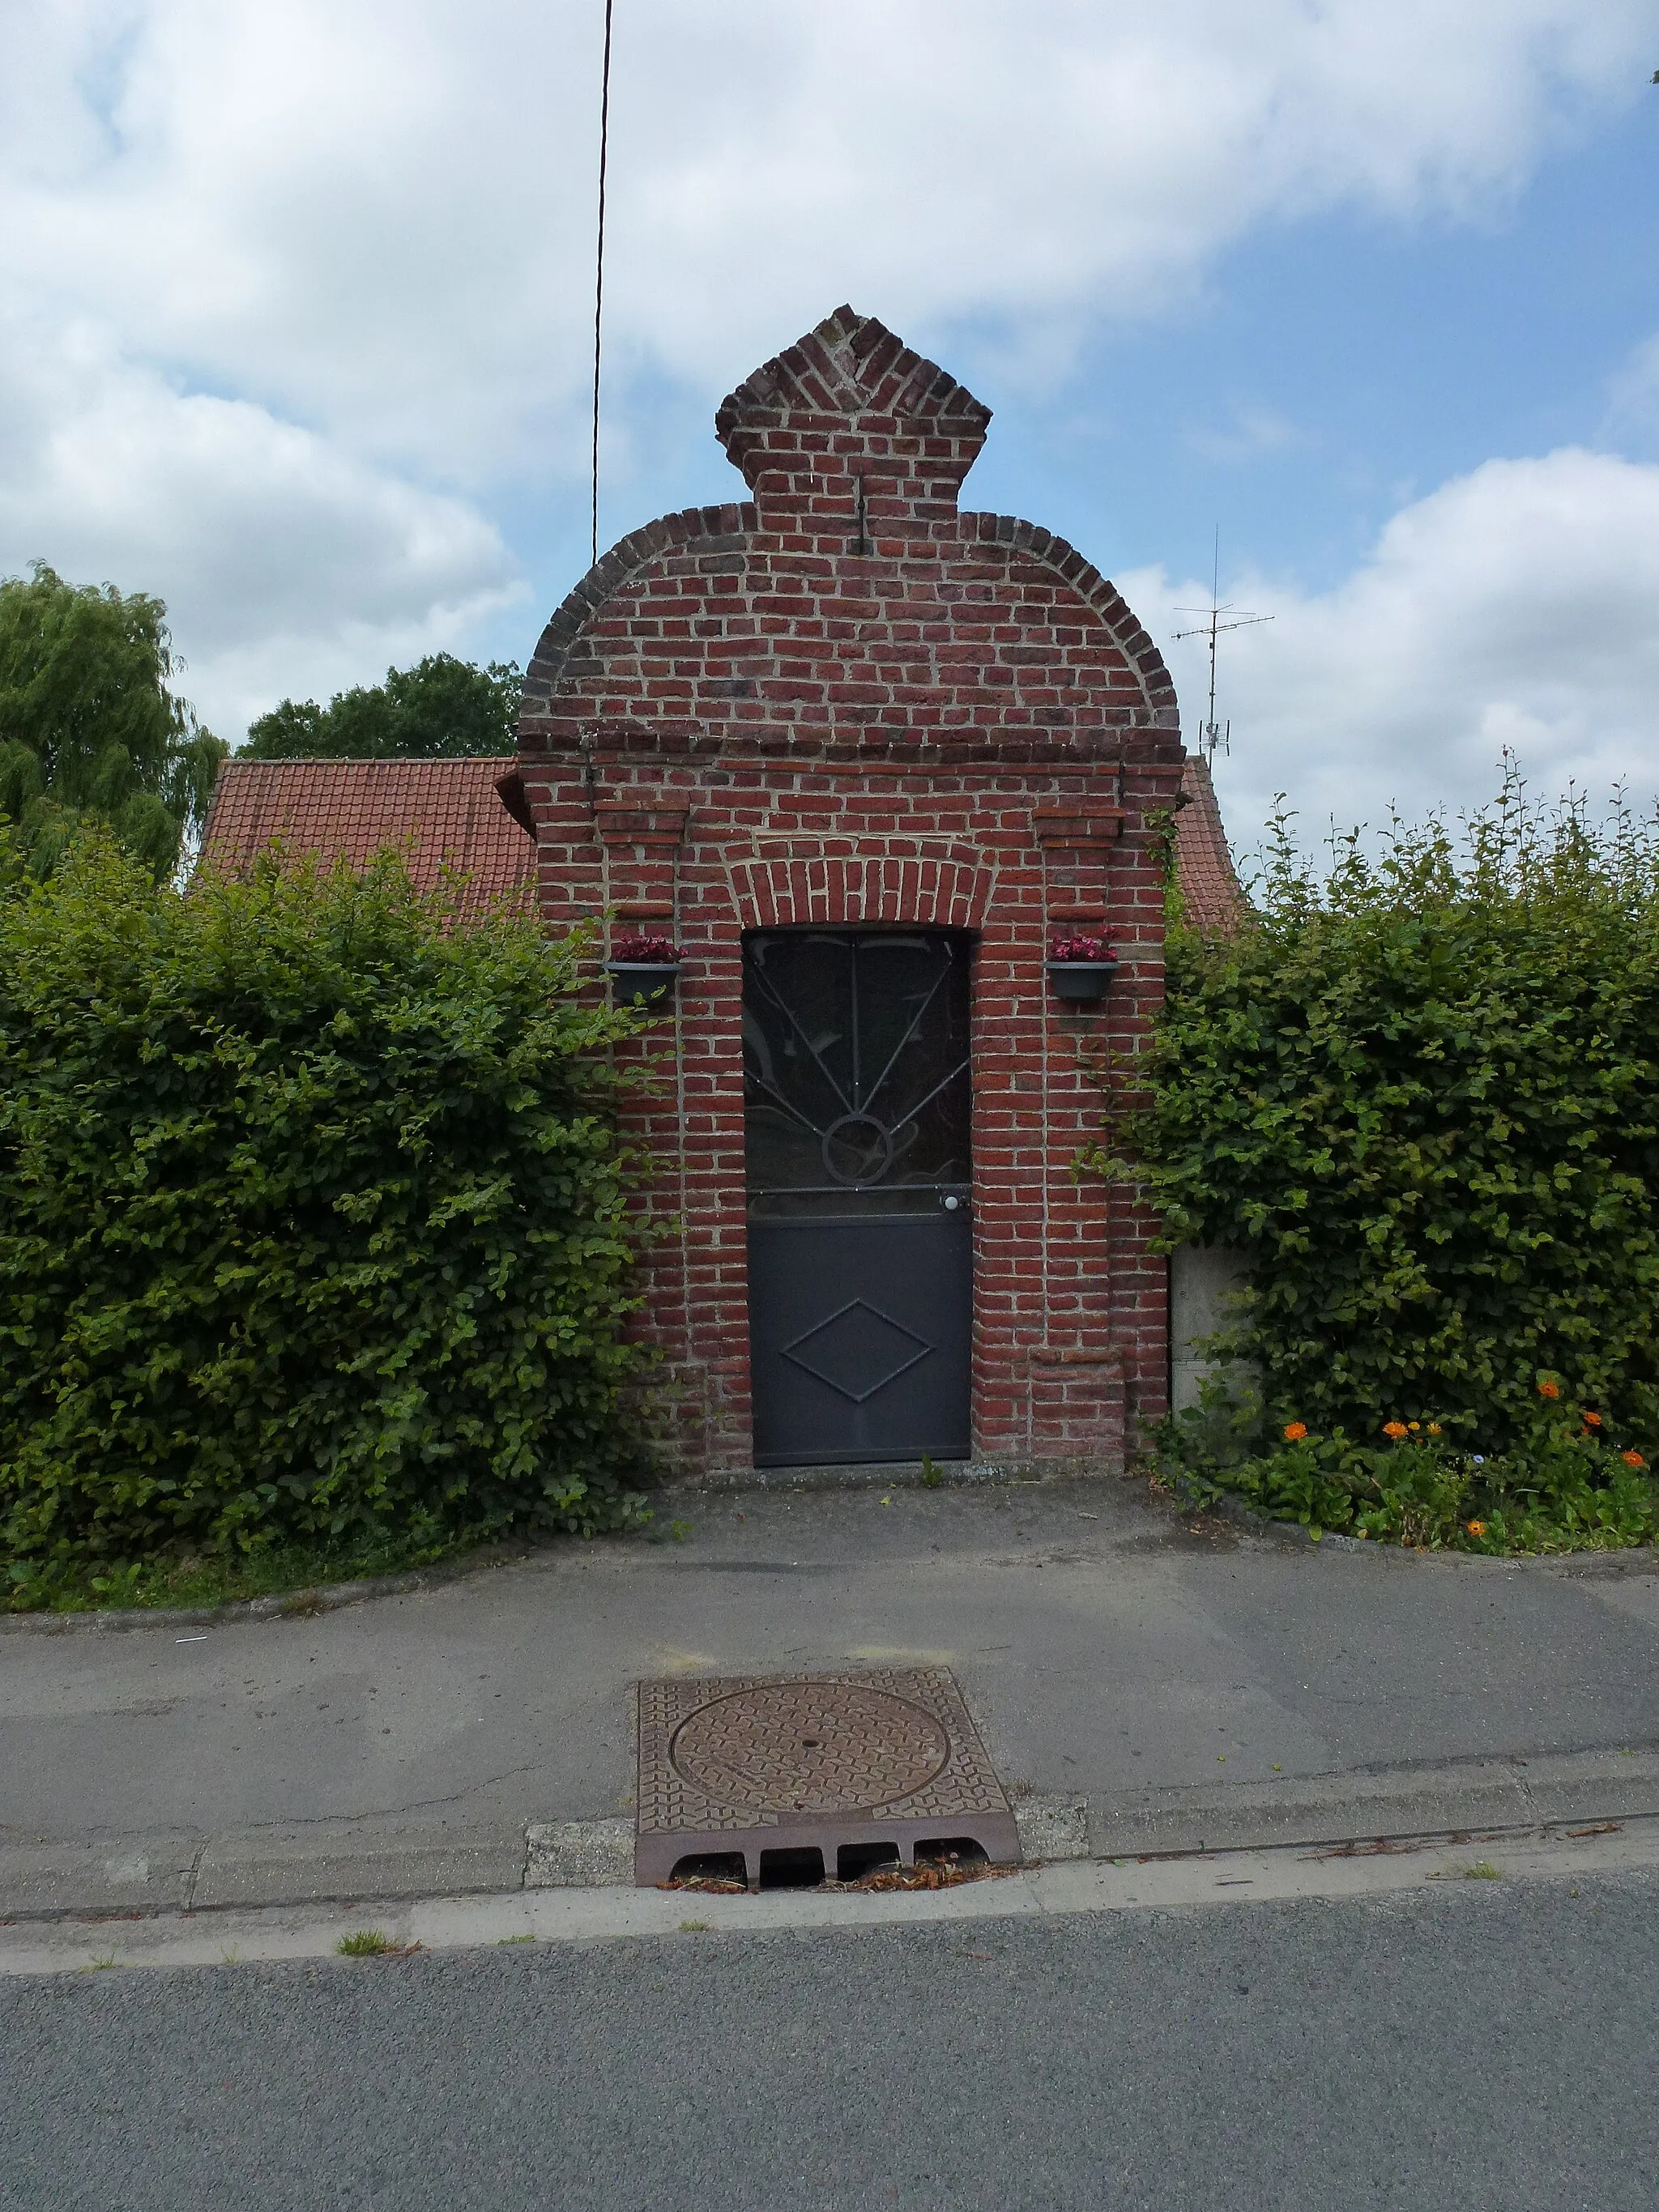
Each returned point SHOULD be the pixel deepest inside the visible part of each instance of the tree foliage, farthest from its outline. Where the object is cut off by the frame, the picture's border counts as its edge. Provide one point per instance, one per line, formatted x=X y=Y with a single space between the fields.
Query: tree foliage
x=90 y=728
x=312 y=1220
x=442 y=707
x=1421 y=1093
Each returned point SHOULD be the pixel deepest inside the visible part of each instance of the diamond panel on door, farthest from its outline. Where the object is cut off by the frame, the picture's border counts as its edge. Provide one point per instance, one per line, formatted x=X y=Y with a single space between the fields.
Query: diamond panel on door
x=838 y=1376
x=858 y=1351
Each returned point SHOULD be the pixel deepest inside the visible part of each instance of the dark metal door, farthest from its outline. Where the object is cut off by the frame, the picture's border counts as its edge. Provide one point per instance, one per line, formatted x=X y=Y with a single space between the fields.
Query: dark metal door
x=861 y=1246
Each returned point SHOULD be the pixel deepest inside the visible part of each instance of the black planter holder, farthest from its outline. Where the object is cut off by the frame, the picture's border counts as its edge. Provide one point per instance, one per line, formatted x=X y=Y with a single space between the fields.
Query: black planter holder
x=1080 y=982
x=642 y=983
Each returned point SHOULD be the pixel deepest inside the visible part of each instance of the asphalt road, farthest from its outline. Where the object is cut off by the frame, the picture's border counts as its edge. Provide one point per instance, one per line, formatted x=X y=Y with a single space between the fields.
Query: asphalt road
x=1484 y=2046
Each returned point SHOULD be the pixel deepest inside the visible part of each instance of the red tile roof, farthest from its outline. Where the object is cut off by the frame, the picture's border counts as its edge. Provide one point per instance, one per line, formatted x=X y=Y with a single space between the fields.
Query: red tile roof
x=443 y=813
x=449 y=812
x=1210 y=892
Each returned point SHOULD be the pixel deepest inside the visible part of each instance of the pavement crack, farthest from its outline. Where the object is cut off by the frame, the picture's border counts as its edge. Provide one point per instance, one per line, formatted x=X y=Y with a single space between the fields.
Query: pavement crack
x=396 y=1812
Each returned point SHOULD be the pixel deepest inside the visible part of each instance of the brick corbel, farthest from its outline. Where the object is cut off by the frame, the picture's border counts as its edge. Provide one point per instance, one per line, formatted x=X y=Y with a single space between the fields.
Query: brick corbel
x=1077 y=828
x=636 y=823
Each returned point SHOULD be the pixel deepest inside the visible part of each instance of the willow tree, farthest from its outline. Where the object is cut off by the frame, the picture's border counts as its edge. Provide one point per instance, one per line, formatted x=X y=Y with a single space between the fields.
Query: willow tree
x=91 y=728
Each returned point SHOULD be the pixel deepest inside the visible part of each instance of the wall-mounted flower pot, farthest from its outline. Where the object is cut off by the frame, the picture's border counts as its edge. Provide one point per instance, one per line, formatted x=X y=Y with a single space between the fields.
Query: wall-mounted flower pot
x=1081 y=982
x=642 y=983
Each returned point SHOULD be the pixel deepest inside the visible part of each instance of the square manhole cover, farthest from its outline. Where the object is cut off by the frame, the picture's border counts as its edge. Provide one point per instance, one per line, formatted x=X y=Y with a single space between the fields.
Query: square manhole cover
x=816 y=1762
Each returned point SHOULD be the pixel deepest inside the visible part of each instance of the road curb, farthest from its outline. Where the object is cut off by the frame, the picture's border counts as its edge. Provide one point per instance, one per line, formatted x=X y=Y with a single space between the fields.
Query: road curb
x=332 y=1597
x=295 y=1604
x=344 y=1861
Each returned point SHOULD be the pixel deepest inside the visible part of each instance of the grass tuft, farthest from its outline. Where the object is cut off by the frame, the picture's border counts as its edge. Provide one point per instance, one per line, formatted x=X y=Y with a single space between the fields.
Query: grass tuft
x=365 y=1943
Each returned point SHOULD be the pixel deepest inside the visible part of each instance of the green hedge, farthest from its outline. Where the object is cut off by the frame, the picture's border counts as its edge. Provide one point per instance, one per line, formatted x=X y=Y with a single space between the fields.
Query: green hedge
x=311 y=1221
x=1421 y=1093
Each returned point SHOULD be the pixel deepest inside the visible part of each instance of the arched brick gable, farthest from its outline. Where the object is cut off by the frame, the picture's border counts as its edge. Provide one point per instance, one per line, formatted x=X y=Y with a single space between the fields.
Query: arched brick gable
x=558 y=660
x=709 y=529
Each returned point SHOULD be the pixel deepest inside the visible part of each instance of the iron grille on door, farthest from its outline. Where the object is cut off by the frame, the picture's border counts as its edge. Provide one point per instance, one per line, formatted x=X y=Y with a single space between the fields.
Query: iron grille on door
x=859 y=1162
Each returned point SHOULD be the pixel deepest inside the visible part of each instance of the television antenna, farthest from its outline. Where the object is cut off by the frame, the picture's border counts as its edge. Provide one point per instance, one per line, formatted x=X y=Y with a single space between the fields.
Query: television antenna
x=1215 y=736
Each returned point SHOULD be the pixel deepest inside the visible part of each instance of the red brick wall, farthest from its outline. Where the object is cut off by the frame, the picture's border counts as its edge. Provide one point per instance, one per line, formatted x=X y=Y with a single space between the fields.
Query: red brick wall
x=850 y=703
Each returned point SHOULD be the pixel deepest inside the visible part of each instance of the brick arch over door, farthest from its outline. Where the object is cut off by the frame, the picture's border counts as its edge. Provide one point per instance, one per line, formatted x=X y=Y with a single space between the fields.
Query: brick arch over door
x=915 y=887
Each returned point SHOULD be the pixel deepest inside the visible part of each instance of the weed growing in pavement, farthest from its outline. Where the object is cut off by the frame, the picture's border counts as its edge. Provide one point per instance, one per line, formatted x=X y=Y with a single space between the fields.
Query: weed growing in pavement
x=500 y=1940
x=693 y=1927
x=365 y=1943
x=932 y=1475
x=1483 y=1871
x=100 y=1965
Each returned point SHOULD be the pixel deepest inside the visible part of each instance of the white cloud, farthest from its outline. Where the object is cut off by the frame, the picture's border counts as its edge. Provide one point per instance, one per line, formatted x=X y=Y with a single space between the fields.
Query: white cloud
x=1516 y=606
x=366 y=225
x=285 y=560
x=1246 y=432
x=379 y=216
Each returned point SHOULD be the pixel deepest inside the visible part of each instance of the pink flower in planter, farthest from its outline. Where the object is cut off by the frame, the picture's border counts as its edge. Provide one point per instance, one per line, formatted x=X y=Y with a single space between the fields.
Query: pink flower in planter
x=641 y=948
x=1081 y=947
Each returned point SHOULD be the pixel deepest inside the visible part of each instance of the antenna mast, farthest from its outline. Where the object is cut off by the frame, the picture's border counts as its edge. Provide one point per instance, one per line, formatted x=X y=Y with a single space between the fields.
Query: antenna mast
x=1214 y=738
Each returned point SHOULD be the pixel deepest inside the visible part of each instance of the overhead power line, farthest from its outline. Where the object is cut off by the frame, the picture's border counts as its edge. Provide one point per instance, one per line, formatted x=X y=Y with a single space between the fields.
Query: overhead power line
x=598 y=262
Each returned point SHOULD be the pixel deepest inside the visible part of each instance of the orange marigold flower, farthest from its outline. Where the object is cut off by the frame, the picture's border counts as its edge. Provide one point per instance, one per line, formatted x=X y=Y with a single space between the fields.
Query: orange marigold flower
x=1592 y=1420
x=1549 y=1389
x=1294 y=1431
x=1475 y=1527
x=1634 y=1459
x=1394 y=1429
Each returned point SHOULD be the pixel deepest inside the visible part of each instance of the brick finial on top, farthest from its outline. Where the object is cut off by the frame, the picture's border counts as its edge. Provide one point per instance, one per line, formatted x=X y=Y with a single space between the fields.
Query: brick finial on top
x=851 y=438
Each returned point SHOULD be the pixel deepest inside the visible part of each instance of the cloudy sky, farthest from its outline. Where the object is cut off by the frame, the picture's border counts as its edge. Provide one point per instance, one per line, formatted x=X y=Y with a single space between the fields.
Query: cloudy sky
x=296 y=311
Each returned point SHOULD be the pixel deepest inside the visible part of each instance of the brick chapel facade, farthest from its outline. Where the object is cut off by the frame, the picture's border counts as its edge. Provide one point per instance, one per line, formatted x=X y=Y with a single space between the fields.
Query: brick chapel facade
x=845 y=737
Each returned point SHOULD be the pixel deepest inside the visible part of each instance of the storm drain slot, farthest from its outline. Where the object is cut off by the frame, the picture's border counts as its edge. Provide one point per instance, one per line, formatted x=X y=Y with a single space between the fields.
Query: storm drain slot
x=841 y=1770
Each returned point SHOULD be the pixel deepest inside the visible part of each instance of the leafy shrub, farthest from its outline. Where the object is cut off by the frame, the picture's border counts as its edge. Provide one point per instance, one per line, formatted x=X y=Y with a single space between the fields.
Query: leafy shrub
x=1421 y=1094
x=311 y=1221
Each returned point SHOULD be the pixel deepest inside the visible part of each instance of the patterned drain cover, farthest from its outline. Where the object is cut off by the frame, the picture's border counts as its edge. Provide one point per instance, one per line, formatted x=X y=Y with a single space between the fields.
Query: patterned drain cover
x=789 y=1762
